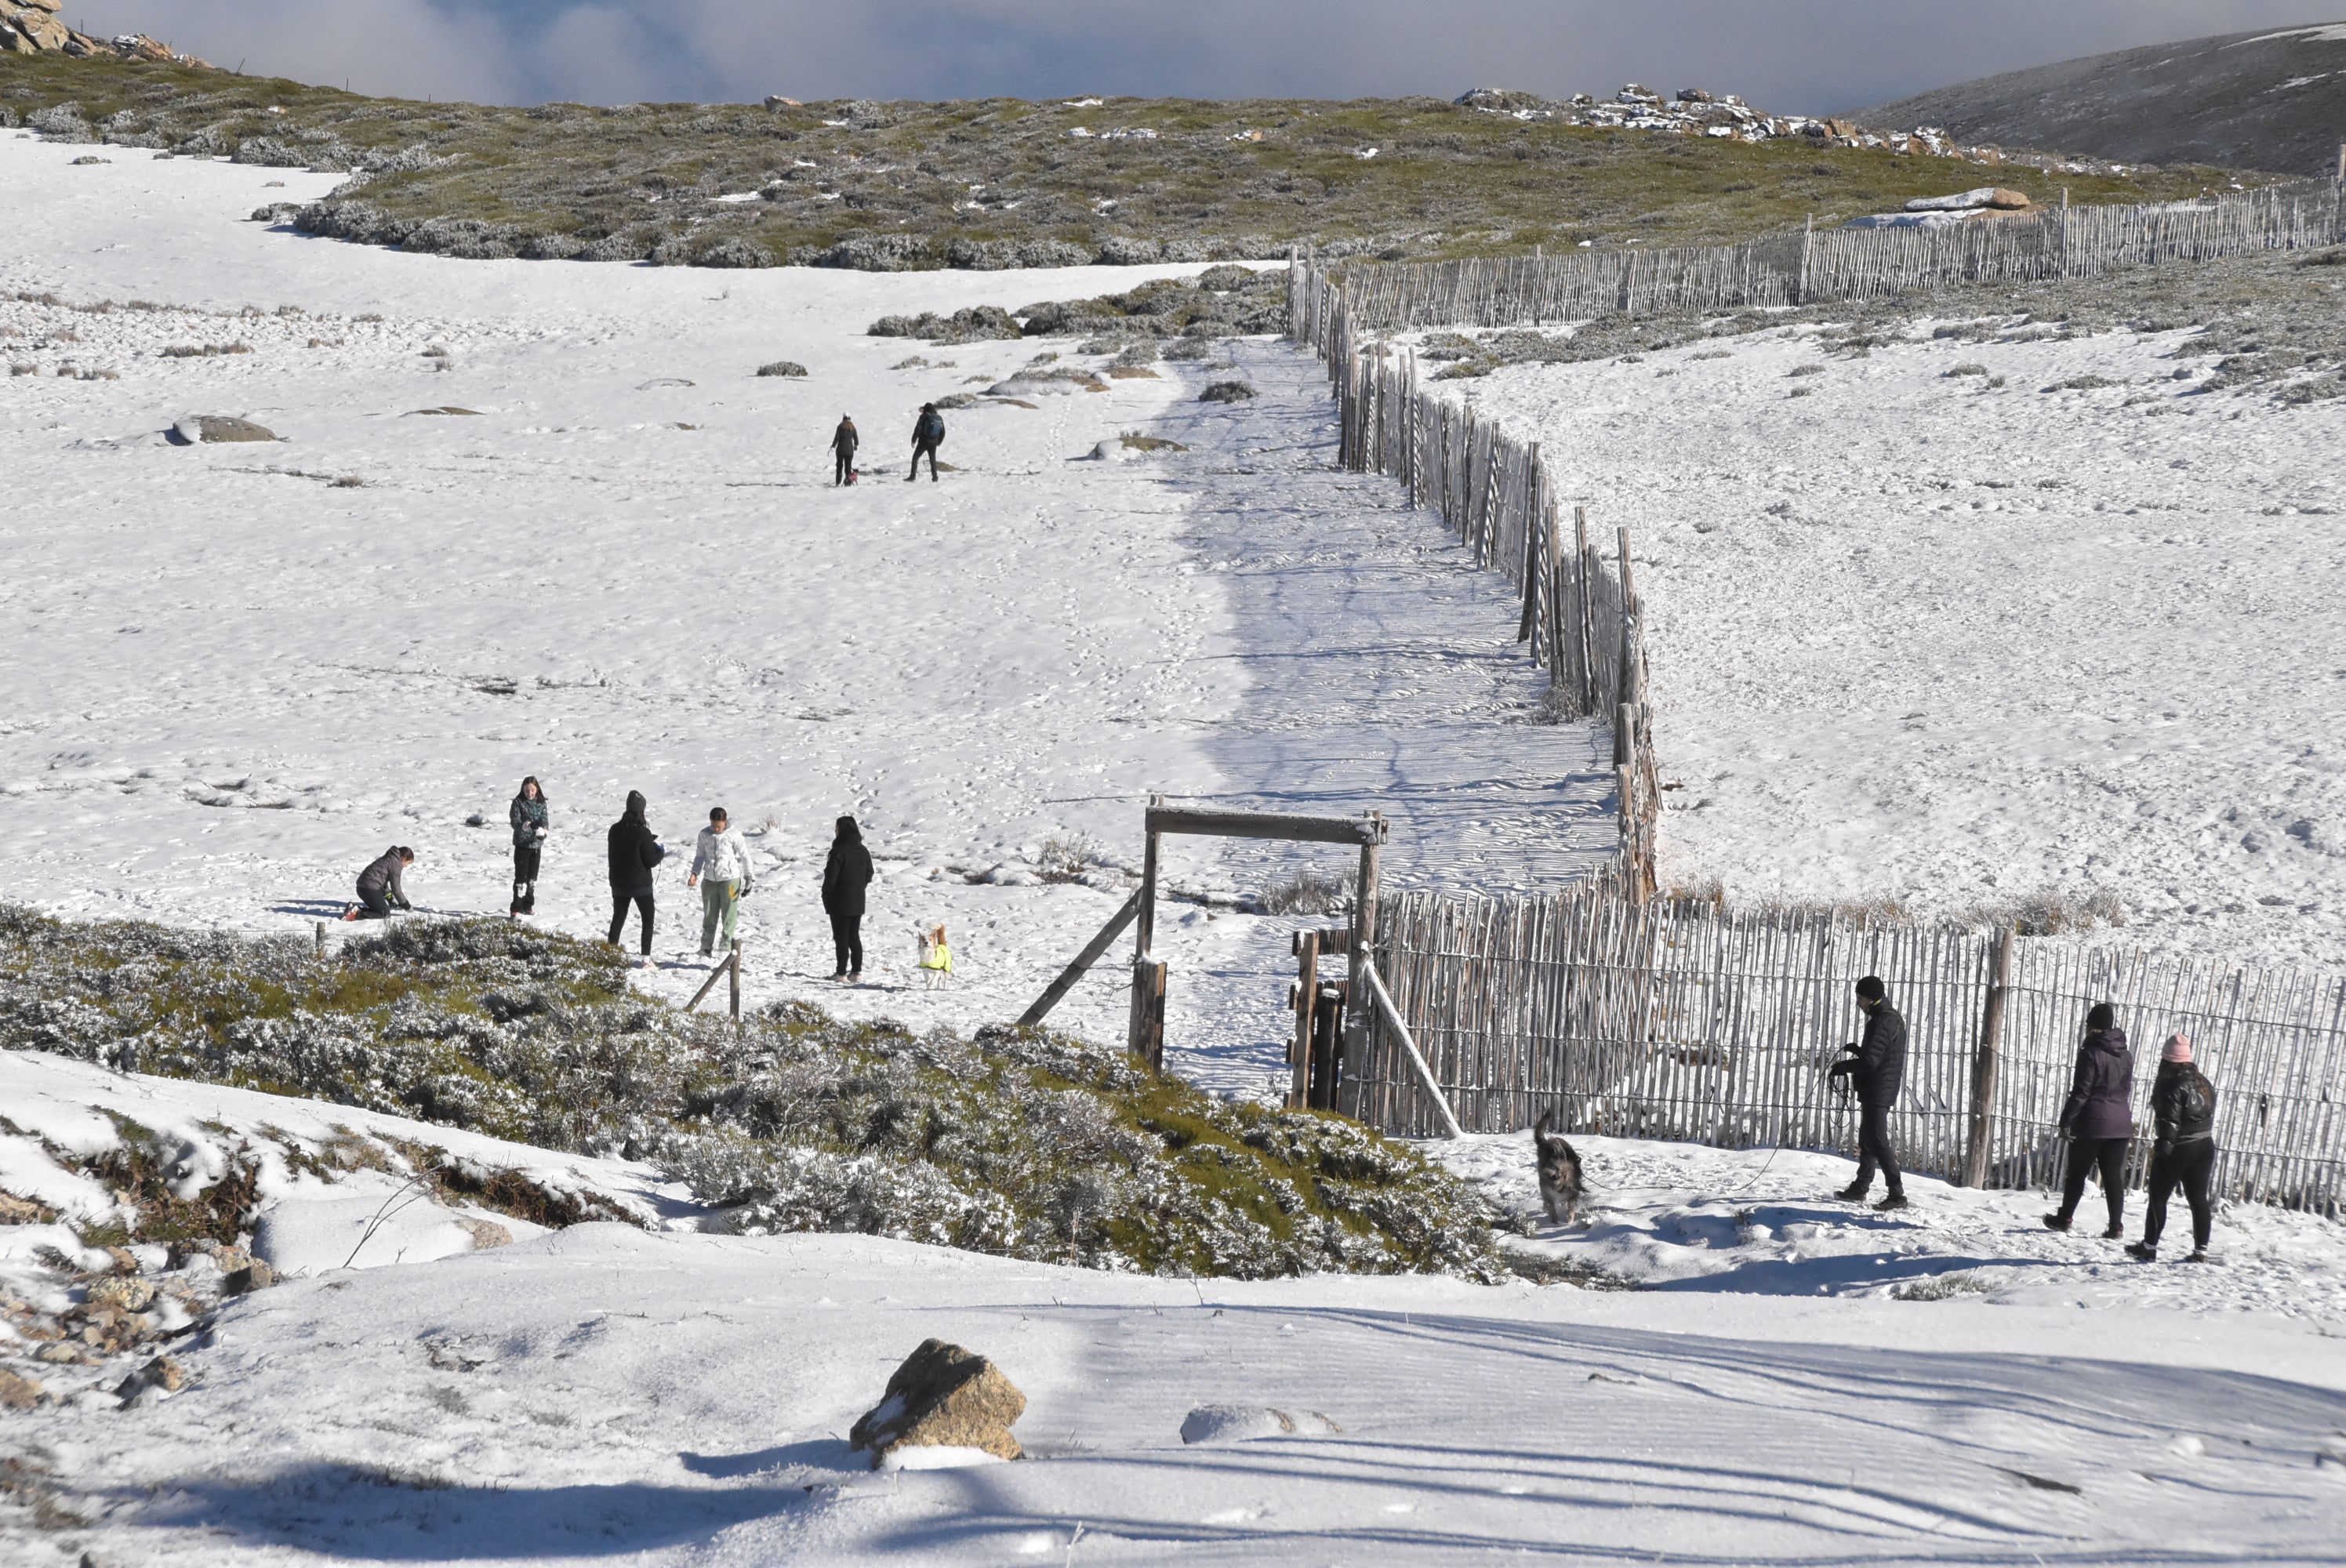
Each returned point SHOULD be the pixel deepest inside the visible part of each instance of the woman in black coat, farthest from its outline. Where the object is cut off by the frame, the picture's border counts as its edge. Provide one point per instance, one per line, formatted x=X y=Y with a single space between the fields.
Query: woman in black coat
x=845 y=874
x=528 y=816
x=634 y=852
x=2098 y=1116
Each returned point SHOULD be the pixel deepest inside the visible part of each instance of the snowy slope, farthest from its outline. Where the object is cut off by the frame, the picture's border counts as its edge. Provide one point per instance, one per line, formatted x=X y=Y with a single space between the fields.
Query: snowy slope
x=1918 y=637
x=232 y=682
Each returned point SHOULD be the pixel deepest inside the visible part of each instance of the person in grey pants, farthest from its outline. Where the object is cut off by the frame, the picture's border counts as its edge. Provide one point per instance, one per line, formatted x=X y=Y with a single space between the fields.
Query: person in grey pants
x=719 y=857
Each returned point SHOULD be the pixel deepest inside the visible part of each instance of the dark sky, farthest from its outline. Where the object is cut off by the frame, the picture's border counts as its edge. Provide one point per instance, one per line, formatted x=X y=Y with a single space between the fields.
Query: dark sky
x=1796 y=55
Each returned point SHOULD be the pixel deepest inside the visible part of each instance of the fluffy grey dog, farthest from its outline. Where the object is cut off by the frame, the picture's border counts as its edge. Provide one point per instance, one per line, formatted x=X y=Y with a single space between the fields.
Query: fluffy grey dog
x=1559 y=1171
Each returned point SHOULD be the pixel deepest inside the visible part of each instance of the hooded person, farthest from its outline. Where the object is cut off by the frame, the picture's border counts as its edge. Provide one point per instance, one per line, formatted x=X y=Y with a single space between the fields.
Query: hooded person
x=928 y=435
x=1879 y=1070
x=381 y=886
x=846 y=872
x=634 y=851
x=843 y=442
x=527 y=815
x=2098 y=1116
x=2182 y=1110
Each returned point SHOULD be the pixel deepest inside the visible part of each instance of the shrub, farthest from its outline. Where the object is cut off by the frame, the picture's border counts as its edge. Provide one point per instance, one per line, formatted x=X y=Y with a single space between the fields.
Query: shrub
x=1226 y=391
x=782 y=368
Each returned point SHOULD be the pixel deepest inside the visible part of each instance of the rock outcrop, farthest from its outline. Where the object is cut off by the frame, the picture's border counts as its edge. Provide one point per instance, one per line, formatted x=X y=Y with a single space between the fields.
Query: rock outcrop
x=942 y=1397
x=31 y=28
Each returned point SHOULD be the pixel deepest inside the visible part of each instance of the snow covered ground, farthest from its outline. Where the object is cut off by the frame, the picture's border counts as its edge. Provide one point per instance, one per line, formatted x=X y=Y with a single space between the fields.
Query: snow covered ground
x=1914 y=636
x=612 y=1394
x=232 y=682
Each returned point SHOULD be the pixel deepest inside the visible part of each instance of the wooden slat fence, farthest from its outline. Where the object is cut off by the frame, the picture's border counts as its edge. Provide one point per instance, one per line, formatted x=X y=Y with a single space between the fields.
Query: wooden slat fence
x=1664 y=1019
x=1660 y=1019
x=1808 y=267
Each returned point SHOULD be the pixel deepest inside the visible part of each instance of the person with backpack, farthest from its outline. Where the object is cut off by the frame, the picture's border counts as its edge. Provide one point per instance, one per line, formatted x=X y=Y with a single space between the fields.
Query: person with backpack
x=843 y=442
x=720 y=856
x=845 y=874
x=2183 y=1109
x=2098 y=1116
x=634 y=851
x=1878 y=1065
x=527 y=815
x=381 y=888
x=928 y=435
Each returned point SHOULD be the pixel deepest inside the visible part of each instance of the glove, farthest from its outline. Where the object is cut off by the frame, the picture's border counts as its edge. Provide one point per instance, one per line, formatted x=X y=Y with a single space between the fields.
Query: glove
x=1841 y=1069
x=2161 y=1149
x=541 y=833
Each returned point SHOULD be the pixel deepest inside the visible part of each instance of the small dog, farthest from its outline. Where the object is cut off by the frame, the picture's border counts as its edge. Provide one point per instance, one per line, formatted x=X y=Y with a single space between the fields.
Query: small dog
x=1559 y=1171
x=936 y=958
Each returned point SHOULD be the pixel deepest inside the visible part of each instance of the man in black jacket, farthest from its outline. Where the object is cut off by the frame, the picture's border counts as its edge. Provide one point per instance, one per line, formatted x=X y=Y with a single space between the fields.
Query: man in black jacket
x=928 y=435
x=843 y=442
x=634 y=852
x=1880 y=1069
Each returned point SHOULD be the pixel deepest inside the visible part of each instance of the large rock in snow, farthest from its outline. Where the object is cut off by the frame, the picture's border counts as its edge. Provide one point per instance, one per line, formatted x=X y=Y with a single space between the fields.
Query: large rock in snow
x=942 y=1397
x=218 y=427
x=1242 y=1423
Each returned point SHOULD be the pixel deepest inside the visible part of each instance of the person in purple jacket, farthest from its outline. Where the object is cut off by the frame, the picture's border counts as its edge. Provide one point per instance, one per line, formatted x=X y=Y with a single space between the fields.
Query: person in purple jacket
x=2098 y=1116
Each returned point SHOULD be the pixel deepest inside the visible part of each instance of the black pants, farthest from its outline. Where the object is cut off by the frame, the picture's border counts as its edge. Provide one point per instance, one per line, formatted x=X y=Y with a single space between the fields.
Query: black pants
x=842 y=468
x=846 y=942
x=929 y=447
x=2189 y=1166
x=642 y=898
x=377 y=903
x=2085 y=1153
x=524 y=898
x=1873 y=1149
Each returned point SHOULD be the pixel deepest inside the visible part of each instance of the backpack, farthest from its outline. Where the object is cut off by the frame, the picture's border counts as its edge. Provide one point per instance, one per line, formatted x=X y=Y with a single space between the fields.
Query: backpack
x=931 y=429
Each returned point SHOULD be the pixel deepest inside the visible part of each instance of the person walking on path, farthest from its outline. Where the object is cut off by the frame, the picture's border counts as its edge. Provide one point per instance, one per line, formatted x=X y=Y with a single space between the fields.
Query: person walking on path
x=528 y=818
x=928 y=435
x=845 y=874
x=843 y=442
x=2183 y=1109
x=381 y=888
x=635 y=850
x=2099 y=1119
x=720 y=857
x=1879 y=1068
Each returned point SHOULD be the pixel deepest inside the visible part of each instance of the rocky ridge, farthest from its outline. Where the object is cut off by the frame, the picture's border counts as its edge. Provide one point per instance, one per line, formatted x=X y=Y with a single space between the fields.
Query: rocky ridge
x=31 y=28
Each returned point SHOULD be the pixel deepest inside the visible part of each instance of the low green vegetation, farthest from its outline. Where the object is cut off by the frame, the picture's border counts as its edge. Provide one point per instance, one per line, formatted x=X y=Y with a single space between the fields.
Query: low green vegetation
x=1020 y=1142
x=990 y=183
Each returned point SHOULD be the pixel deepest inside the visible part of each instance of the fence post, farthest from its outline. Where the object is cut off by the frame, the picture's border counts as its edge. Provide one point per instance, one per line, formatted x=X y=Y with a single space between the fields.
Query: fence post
x=736 y=982
x=321 y=939
x=1983 y=1064
x=1307 y=1003
x=1145 y=1033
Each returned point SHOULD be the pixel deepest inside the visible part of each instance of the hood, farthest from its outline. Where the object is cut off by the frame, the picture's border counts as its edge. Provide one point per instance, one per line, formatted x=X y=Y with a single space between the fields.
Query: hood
x=2112 y=1040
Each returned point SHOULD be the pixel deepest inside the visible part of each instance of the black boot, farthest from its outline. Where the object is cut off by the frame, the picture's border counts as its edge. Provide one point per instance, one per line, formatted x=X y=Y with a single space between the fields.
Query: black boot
x=2060 y=1222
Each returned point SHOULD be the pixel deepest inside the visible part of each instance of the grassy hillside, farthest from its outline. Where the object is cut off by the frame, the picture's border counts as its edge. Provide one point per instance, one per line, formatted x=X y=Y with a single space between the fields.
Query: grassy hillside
x=990 y=183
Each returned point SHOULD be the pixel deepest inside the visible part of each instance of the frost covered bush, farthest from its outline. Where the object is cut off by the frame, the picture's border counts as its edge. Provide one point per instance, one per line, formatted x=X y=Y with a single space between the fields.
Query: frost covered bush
x=1018 y=1142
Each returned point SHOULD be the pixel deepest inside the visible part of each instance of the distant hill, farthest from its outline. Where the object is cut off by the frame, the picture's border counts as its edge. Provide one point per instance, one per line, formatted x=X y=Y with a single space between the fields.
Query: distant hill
x=2267 y=100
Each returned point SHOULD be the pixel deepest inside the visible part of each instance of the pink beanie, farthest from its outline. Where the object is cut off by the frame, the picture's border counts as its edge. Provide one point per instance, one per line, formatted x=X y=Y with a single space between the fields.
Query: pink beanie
x=2178 y=1049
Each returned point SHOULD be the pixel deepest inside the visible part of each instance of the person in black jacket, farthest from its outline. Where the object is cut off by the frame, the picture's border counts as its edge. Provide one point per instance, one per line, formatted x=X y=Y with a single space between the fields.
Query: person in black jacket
x=843 y=442
x=381 y=885
x=634 y=852
x=2098 y=1116
x=845 y=874
x=928 y=435
x=1879 y=1068
x=2183 y=1108
x=527 y=815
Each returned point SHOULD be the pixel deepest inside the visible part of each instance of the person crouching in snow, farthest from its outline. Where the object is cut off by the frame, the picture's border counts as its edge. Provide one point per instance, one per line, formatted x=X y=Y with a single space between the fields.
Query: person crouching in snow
x=718 y=855
x=843 y=442
x=2183 y=1108
x=936 y=958
x=528 y=818
x=928 y=435
x=381 y=887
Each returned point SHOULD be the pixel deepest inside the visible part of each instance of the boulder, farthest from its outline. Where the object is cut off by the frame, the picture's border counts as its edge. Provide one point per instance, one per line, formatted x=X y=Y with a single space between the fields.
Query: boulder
x=218 y=427
x=18 y=1393
x=162 y=1374
x=124 y=1294
x=485 y=1232
x=257 y=1274
x=942 y=1397
x=1980 y=196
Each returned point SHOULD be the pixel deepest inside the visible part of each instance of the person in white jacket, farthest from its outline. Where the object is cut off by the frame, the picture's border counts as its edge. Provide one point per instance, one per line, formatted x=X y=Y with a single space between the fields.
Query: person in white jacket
x=720 y=869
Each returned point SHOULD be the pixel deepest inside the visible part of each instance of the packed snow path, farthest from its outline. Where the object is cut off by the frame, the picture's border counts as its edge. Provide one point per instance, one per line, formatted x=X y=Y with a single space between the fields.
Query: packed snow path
x=578 y=538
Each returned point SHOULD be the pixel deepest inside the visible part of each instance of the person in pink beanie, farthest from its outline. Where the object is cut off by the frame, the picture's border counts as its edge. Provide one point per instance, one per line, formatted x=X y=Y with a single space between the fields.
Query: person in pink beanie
x=2183 y=1108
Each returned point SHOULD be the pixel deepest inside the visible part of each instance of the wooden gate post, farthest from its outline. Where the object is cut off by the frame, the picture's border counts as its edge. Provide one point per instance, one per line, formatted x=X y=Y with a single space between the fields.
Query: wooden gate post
x=1363 y=935
x=1145 y=1035
x=736 y=967
x=1307 y=995
x=1983 y=1064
